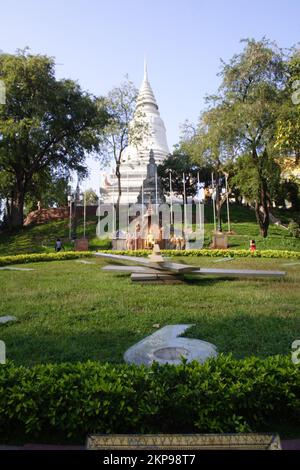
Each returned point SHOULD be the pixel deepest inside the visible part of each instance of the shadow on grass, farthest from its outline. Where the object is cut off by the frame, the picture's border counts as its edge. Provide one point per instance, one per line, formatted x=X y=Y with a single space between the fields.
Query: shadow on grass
x=247 y=335
x=48 y=347
x=241 y=334
x=205 y=280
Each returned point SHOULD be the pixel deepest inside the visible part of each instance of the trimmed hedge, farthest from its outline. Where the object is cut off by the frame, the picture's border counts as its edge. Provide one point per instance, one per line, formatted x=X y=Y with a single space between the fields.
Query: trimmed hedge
x=67 y=255
x=216 y=253
x=222 y=395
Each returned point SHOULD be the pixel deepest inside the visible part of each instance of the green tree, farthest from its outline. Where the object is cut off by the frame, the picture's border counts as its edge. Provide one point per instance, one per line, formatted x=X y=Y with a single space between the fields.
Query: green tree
x=47 y=190
x=176 y=165
x=247 y=178
x=46 y=125
x=212 y=146
x=241 y=119
x=125 y=124
x=288 y=122
x=90 y=196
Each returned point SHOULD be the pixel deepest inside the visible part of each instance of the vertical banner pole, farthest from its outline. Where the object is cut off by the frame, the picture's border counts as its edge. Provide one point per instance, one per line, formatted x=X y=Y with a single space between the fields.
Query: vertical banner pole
x=213 y=201
x=156 y=192
x=127 y=202
x=142 y=201
x=184 y=203
x=84 y=213
x=99 y=205
x=113 y=211
x=199 y=202
x=171 y=197
x=227 y=201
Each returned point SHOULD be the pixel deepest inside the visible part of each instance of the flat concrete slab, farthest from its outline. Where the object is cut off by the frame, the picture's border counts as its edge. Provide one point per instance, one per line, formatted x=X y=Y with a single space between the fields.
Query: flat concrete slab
x=84 y=261
x=164 y=269
x=294 y=263
x=153 y=277
x=239 y=272
x=166 y=347
x=7 y=319
x=223 y=259
x=12 y=268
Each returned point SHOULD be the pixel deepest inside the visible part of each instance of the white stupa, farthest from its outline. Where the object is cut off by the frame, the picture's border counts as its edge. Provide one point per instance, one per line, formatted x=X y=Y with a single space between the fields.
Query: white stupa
x=136 y=158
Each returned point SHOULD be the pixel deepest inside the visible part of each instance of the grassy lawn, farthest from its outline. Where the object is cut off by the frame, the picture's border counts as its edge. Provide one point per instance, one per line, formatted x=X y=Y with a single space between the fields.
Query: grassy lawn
x=69 y=311
x=41 y=238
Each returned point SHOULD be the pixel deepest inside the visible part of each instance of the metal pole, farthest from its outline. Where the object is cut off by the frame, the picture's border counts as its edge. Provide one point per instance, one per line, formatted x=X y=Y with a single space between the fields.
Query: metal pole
x=156 y=192
x=70 y=224
x=213 y=201
x=199 y=202
x=171 y=196
x=142 y=202
x=84 y=213
x=127 y=188
x=113 y=211
x=227 y=201
x=184 y=202
x=99 y=206
x=127 y=203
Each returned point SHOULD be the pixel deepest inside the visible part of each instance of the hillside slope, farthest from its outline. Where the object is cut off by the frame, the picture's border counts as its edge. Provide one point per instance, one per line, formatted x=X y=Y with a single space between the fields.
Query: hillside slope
x=41 y=238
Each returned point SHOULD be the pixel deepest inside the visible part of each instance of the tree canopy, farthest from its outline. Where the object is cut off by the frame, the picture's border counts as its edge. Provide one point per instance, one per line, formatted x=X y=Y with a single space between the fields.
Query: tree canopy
x=175 y=166
x=288 y=122
x=240 y=122
x=124 y=124
x=47 y=127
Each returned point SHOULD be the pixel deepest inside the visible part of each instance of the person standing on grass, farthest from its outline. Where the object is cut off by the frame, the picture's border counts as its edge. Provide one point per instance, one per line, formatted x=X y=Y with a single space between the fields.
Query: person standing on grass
x=58 y=245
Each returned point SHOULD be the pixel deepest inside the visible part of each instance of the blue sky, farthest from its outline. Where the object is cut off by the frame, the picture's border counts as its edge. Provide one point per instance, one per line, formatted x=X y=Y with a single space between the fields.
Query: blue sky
x=97 y=42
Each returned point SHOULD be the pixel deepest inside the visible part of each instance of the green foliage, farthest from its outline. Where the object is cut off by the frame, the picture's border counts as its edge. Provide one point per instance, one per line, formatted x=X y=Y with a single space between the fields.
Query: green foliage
x=294 y=229
x=288 y=123
x=41 y=238
x=215 y=253
x=241 y=120
x=90 y=196
x=222 y=395
x=47 y=190
x=289 y=191
x=247 y=178
x=125 y=123
x=38 y=257
x=47 y=127
x=177 y=164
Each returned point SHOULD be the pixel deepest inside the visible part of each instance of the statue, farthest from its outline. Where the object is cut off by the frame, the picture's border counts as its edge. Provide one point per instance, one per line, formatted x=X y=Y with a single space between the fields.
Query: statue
x=151 y=192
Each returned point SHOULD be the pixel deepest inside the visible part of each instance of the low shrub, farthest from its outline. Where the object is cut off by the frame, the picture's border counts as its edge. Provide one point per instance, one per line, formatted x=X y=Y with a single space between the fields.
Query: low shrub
x=222 y=395
x=215 y=253
x=294 y=229
x=67 y=255
x=37 y=257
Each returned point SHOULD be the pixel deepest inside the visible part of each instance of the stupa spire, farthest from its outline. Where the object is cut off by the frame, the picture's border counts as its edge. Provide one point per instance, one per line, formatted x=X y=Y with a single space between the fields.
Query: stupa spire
x=145 y=71
x=146 y=95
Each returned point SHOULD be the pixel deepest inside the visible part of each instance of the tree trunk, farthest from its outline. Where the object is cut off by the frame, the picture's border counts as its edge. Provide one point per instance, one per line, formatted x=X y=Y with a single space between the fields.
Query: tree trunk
x=261 y=204
x=118 y=175
x=16 y=213
x=262 y=211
